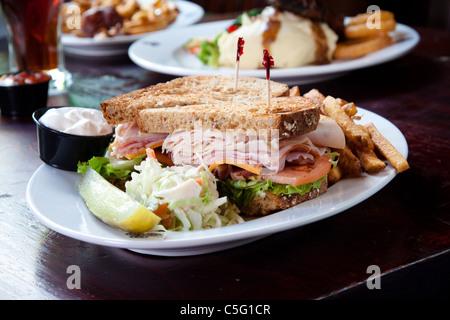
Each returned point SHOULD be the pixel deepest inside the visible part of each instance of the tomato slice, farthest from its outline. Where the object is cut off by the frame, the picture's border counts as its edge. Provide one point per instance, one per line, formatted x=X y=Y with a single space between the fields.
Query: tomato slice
x=298 y=175
x=232 y=28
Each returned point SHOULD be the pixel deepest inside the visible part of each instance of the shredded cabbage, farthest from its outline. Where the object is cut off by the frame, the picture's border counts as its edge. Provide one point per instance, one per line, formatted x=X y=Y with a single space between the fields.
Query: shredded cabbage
x=189 y=192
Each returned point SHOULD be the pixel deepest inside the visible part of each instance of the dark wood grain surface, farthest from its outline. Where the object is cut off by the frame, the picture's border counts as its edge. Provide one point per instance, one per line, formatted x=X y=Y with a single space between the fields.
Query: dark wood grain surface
x=404 y=228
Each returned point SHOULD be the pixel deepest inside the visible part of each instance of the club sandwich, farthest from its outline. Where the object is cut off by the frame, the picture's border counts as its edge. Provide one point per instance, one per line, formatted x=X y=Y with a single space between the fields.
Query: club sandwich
x=266 y=157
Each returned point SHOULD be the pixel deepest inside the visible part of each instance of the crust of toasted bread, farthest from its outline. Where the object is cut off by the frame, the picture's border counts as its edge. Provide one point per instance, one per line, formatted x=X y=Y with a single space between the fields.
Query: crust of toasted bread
x=267 y=202
x=191 y=90
x=287 y=115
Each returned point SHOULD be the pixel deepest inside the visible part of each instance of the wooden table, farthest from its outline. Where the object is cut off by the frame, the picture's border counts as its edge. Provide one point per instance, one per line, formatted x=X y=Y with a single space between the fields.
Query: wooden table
x=404 y=229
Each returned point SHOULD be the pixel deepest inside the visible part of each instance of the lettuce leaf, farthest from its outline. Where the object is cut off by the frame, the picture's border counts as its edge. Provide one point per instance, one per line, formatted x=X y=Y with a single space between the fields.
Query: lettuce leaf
x=103 y=166
x=209 y=53
x=334 y=158
x=242 y=192
x=252 y=13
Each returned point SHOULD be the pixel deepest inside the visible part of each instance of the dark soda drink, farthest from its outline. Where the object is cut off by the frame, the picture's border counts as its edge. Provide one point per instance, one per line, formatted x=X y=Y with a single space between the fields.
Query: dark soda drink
x=34 y=32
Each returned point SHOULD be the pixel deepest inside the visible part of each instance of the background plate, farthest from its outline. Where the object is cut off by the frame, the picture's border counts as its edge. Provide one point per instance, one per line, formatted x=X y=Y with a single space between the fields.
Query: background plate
x=189 y=14
x=162 y=52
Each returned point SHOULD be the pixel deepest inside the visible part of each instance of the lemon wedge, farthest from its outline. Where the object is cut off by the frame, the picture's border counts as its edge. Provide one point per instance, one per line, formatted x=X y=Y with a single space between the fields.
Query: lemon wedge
x=113 y=206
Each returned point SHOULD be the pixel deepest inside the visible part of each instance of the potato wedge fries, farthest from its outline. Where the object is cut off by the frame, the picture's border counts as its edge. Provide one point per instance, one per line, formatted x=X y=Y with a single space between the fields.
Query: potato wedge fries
x=387 y=149
x=335 y=175
x=353 y=132
x=369 y=160
x=294 y=91
x=349 y=163
x=364 y=143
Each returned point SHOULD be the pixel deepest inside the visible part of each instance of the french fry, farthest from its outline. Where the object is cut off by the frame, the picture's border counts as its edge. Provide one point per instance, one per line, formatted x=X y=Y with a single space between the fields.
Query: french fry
x=350 y=109
x=369 y=161
x=315 y=96
x=359 y=153
x=349 y=163
x=294 y=91
x=341 y=101
x=127 y=8
x=387 y=149
x=335 y=175
x=353 y=132
x=140 y=16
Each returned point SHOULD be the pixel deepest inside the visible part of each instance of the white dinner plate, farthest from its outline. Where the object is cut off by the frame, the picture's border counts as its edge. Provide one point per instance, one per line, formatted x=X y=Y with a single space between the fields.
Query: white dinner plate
x=189 y=14
x=53 y=197
x=163 y=52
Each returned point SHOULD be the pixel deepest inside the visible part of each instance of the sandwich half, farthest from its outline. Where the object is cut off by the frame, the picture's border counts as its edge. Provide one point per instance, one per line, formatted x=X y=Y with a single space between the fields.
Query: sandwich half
x=266 y=158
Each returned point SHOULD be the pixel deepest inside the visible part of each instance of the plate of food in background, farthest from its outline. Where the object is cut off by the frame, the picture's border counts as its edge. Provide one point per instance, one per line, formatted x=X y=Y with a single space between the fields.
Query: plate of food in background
x=108 y=27
x=304 y=50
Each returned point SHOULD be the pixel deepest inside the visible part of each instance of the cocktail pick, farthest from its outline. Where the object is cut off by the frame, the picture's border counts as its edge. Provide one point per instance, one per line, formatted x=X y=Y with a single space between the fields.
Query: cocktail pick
x=267 y=63
x=240 y=51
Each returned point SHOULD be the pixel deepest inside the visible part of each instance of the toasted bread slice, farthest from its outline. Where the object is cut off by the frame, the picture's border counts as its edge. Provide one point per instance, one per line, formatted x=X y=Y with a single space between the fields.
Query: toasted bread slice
x=288 y=115
x=267 y=202
x=192 y=90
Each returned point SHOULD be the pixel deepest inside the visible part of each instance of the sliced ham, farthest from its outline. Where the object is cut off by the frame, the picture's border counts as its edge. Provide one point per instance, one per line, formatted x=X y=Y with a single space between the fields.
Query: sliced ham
x=291 y=161
x=251 y=152
x=216 y=147
x=129 y=142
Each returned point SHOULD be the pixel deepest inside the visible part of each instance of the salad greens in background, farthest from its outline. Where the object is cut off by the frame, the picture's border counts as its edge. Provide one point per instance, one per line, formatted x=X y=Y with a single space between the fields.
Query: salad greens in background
x=209 y=49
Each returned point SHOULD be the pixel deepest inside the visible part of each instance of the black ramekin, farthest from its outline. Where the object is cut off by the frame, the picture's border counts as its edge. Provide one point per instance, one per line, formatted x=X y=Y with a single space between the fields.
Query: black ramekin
x=23 y=99
x=64 y=151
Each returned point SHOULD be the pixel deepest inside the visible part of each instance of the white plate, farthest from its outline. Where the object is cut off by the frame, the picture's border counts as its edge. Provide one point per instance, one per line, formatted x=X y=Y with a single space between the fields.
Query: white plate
x=189 y=14
x=163 y=52
x=53 y=197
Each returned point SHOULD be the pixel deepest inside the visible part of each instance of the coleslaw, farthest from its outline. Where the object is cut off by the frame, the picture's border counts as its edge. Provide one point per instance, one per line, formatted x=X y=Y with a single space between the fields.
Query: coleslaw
x=185 y=197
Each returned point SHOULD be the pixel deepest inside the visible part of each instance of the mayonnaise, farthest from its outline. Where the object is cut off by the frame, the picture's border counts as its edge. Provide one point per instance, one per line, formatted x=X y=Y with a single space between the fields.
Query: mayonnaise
x=76 y=121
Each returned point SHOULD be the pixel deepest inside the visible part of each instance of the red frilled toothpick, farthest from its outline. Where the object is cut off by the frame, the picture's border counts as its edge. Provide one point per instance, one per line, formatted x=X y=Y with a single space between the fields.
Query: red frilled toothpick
x=240 y=51
x=267 y=63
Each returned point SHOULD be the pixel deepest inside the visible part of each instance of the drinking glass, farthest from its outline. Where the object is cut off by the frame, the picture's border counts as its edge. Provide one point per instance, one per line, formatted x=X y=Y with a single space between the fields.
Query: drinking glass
x=34 y=31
